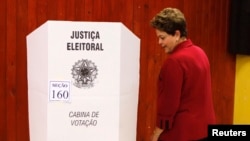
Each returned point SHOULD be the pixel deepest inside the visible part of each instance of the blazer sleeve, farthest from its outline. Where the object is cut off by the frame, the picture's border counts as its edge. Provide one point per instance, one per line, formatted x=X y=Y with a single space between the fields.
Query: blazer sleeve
x=169 y=93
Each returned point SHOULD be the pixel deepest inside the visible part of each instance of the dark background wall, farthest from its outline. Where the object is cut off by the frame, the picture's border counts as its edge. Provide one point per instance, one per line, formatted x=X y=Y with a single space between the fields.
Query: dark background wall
x=207 y=27
x=239 y=27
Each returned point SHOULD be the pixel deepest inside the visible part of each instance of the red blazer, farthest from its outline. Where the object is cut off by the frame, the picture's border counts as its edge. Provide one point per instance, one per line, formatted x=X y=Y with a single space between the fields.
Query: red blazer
x=185 y=106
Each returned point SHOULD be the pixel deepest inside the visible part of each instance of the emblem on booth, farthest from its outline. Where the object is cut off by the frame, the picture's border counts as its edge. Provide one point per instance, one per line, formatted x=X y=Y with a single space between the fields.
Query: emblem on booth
x=84 y=72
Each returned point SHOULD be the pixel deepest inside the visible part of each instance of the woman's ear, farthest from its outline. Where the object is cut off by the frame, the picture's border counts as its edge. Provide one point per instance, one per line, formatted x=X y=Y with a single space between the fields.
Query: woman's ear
x=177 y=33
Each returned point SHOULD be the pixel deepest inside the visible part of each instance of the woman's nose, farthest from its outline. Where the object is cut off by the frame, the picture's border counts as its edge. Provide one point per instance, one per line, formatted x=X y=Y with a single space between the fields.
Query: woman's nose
x=159 y=42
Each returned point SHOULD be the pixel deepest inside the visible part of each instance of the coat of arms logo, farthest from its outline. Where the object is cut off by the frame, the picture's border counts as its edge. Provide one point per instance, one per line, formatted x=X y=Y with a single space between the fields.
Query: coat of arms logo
x=84 y=72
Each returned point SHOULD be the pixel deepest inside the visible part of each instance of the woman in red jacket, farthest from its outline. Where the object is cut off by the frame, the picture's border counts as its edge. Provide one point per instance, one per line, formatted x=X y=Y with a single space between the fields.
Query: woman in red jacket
x=184 y=106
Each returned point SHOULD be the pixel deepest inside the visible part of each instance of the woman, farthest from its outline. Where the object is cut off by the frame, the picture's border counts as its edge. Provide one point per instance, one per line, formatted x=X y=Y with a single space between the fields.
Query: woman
x=185 y=106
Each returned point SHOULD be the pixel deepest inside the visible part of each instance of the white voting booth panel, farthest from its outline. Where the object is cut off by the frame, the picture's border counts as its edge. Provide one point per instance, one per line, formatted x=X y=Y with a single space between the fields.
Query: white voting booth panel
x=83 y=81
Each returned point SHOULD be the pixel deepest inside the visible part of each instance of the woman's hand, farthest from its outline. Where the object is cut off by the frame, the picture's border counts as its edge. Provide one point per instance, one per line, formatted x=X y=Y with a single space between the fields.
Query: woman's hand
x=156 y=134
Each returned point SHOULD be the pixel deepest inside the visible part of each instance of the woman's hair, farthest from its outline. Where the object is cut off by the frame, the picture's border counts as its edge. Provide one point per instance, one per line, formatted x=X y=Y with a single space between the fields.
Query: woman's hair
x=170 y=20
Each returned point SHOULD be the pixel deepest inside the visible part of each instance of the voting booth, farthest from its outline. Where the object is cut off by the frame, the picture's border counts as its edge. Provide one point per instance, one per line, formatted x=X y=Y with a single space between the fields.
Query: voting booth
x=83 y=81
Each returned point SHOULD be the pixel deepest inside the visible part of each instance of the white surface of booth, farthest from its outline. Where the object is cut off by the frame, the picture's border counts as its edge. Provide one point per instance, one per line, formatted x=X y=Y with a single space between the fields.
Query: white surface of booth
x=83 y=81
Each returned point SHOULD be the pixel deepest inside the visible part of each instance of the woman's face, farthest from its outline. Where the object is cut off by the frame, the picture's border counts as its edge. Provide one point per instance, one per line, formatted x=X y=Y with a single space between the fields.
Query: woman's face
x=166 y=41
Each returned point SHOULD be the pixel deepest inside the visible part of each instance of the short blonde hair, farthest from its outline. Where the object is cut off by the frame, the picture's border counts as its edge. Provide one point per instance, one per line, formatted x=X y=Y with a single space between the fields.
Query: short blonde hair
x=170 y=20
